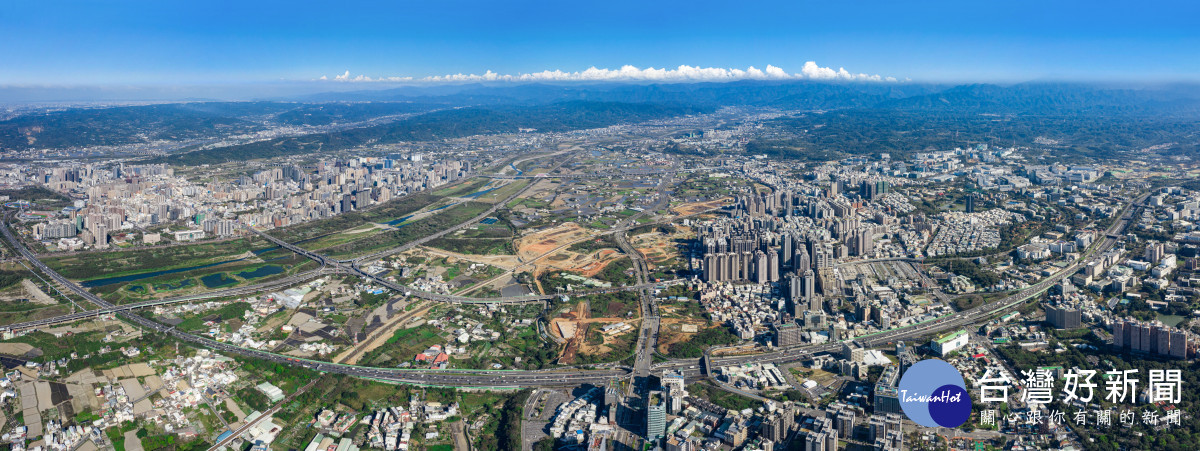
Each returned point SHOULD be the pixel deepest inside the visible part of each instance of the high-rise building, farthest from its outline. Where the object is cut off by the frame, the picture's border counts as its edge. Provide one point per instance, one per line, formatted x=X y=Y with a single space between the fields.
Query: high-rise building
x=1154 y=252
x=886 y=432
x=801 y=261
x=810 y=285
x=1179 y=344
x=887 y=395
x=1151 y=337
x=787 y=334
x=1063 y=317
x=852 y=352
x=820 y=441
x=760 y=267
x=794 y=286
x=844 y=420
x=772 y=428
x=772 y=265
x=787 y=252
x=675 y=387
x=656 y=416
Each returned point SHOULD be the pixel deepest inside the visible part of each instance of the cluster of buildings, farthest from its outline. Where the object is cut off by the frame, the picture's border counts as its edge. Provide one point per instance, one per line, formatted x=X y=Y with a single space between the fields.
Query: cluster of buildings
x=1153 y=338
x=753 y=376
x=960 y=233
x=110 y=198
x=584 y=417
x=392 y=428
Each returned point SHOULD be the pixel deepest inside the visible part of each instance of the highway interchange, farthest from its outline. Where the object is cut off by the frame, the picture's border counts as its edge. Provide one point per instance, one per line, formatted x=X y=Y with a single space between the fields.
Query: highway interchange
x=553 y=377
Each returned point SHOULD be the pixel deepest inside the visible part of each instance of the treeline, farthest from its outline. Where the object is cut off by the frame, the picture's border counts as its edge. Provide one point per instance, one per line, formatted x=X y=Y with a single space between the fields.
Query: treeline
x=330 y=113
x=594 y=244
x=475 y=246
x=694 y=347
x=36 y=193
x=979 y=276
x=225 y=313
x=9 y=278
x=618 y=273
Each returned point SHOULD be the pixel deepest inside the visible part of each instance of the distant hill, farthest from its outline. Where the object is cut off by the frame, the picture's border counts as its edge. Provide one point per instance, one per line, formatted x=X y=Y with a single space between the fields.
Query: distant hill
x=80 y=127
x=459 y=110
x=781 y=94
x=333 y=113
x=1039 y=98
x=451 y=123
x=112 y=126
x=1053 y=98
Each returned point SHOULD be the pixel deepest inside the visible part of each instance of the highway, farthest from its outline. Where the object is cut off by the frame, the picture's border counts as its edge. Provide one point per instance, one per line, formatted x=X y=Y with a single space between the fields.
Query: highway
x=460 y=226
x=691 y=367
x=598 y=175
x=466 y=378
x=239 y=291
x=560 y=377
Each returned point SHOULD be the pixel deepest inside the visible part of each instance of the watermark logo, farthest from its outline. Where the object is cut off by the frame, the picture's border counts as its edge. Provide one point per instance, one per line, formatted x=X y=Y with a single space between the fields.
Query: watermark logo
x=933 y=394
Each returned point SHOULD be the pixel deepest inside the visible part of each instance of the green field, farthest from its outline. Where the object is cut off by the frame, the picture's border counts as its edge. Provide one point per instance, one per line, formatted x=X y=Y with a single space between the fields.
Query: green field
x=93 y=265
x=476 y=246
x=447 y=218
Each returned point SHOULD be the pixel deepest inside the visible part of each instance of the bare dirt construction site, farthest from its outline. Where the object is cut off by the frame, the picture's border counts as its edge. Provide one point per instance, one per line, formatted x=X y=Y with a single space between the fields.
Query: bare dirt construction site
x=499 y=261
x=692 y=208
x=672 y=331
x=659 y=247
x=548 y=250
x=536 y=244
x=573 y=327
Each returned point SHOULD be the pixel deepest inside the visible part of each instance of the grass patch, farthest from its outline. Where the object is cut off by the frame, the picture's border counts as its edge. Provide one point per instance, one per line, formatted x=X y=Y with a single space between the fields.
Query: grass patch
x=225 y=313
x=475 y=246
x=448 y=218
x=721 y=398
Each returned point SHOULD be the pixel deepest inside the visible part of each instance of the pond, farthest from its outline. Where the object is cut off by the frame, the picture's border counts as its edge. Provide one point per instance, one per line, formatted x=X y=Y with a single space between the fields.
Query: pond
x=217 y=280
x=146 y=275
x=262 y=271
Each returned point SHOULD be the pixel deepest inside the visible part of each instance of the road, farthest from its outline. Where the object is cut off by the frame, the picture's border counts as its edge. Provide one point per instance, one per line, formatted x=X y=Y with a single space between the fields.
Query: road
x=948 y=322
x=565 y=377
x=473 y=378
x=490 y=211
x=241 y=291
x=648 y=334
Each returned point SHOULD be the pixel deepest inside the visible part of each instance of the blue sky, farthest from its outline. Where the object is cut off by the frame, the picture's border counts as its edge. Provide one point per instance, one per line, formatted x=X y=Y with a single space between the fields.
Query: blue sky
x=213 y=42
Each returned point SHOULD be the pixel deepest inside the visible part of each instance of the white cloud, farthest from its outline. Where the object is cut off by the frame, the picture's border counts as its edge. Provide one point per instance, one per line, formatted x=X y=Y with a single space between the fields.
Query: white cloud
x=684 y=73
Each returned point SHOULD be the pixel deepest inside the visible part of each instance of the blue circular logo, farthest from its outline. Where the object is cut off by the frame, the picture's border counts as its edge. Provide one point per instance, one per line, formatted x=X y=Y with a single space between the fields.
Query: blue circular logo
x=933 y=394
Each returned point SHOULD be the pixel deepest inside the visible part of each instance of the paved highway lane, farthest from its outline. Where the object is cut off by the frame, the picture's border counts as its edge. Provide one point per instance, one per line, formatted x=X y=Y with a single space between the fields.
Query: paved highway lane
x=475 y=378
x=690 y=367
x=240 y=291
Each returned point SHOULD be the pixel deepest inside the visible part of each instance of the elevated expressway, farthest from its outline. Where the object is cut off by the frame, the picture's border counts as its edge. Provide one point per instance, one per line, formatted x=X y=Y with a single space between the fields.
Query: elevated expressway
x=952 y=321
x=469 y=378
x=572 y=376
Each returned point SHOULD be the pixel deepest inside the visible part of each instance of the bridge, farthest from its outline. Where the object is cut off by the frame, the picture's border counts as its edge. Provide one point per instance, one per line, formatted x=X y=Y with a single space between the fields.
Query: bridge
x=575 y=376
